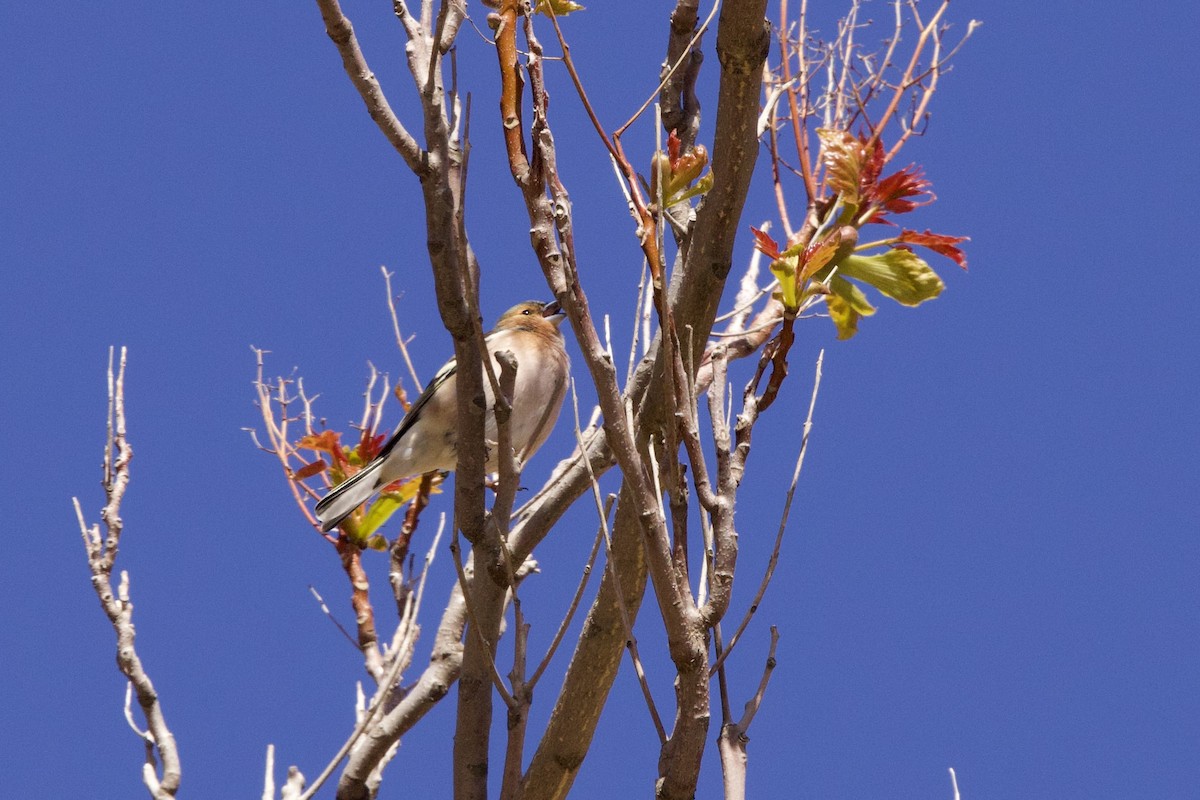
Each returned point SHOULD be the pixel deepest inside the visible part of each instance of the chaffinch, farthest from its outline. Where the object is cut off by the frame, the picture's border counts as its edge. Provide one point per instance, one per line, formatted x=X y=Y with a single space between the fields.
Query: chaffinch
x=425 y=440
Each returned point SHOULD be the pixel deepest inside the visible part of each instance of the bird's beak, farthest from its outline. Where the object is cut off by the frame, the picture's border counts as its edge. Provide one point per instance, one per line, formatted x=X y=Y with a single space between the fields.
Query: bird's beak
x=554 y=313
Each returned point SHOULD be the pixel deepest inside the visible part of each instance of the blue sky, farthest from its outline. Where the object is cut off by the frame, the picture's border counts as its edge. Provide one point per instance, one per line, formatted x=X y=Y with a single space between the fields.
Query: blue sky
x=992 y=563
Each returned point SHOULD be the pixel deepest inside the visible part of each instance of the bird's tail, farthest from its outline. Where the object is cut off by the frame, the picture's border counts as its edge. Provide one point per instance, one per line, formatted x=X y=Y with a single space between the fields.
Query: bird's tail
x=348 y=495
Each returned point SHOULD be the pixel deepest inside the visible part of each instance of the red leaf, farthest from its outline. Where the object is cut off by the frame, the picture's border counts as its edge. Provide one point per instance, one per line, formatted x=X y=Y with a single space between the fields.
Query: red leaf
x=872 y=166
x=765 y=244
x=938 y=243
x=673 y=148
x=892 y=192
x=308 y=470
x=323 y=442
x=368 y=445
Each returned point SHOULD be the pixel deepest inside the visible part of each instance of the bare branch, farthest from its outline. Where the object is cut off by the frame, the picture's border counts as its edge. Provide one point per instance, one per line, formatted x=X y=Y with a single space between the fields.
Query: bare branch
x=101 y=555
x=292 y=788
x=743 y=40
x=787 y=506
x=677 y=95
x=269 y=777
x=355 y=63
x=928 y=31
x=400 y=343
x=404 y=642
x=445 y=663
x=685 y=11
x=574 y=605
x=364 y=614
x=755 y=702
x=329 y=615
x=731 y=744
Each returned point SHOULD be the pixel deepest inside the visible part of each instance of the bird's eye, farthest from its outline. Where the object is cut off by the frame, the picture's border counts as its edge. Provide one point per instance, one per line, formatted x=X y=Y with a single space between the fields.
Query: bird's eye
x=526 y=312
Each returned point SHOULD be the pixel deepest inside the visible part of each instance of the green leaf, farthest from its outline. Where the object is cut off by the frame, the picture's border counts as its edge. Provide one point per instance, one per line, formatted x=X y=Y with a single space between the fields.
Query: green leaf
x=846 y=303
x=380 y=512
x=898 y=273
x=784 y=270
x=702 y=186
x=393 y=496
x=559 y=8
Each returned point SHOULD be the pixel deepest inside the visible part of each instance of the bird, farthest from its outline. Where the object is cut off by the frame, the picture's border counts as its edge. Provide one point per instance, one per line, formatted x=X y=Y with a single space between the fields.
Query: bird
x=426 y=439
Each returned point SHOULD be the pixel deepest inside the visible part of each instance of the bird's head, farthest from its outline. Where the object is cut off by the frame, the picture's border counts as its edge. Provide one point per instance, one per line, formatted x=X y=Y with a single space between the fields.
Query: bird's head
x=533 y=315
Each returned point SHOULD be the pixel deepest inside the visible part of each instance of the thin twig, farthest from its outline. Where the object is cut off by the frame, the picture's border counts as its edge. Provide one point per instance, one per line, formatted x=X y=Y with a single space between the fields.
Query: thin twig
x=926 y=32
x=403 y=345
x=329 y=615
x=686 y=53
x=754 y=703
x=787 y=505
x=276 y=431
x=566 y=620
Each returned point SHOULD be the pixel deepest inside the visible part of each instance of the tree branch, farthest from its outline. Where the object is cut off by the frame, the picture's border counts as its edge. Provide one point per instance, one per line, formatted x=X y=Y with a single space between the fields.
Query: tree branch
x=101 y=555
x=355 y=63
x=743 y=39
x=731 y=744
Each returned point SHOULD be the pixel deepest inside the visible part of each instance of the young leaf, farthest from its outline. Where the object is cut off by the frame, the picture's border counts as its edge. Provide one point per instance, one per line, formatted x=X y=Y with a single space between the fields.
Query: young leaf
x=401 y=396
x=846 y=304
x=843 y=156
x=898 y=273
x=893 y=192
x=368 y=446
x=380 y=512
x=323 y=442
x=830 y=250
x=660 y=175
x=765 y=244
x=702 y=186
x=390 y=499
x=685 y=169
x=872 y=166
x=308 y=470
x=784 y=270
x=559 y=8
x=938 y=243
x=673 y=145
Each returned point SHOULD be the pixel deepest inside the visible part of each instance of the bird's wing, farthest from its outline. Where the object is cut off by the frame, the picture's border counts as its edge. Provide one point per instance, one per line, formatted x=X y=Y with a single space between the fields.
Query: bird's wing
x=414 y=410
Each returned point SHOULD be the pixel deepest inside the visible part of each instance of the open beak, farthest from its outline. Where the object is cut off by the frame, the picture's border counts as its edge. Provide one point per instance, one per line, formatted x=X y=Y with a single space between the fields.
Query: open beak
x=553 y=312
